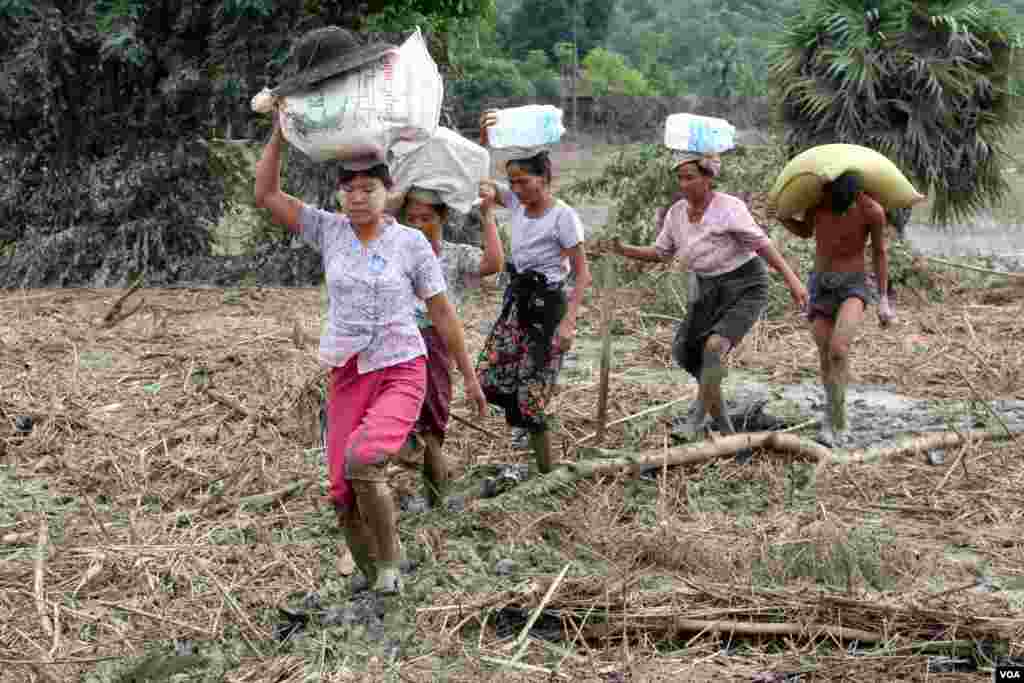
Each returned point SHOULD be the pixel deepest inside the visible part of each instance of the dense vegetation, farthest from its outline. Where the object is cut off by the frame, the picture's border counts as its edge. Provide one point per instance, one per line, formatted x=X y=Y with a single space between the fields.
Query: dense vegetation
x=105 y=110
x=929 y=84
x=107 y=107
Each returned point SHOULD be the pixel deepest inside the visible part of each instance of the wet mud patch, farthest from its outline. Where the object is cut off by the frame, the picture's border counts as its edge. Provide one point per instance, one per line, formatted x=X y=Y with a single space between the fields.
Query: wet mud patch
x=878 y=415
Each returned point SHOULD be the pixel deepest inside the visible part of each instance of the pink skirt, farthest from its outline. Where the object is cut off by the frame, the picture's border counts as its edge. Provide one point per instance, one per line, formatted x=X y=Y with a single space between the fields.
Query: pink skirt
x=369 y=417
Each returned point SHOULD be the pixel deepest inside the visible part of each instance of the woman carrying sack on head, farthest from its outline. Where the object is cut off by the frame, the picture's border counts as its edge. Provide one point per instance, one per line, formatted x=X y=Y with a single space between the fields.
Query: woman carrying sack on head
x=376 y=269
x=715 y=235
x=522 y=356
x=462 y=266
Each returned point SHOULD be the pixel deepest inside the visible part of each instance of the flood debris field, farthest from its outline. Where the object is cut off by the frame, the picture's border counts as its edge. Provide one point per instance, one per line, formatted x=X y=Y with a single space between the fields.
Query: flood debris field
x=162 y=509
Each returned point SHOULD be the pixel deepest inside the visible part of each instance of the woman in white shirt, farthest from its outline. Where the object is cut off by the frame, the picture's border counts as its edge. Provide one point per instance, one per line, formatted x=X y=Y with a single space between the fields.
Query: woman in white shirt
x=519 y=364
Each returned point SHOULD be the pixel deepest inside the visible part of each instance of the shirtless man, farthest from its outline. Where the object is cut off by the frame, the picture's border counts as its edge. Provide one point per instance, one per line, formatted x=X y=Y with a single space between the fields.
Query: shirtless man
x=841 y=225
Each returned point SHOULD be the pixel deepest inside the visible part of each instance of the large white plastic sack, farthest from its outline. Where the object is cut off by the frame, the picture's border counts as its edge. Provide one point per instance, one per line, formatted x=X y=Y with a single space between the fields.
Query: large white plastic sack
x=532 y=127
x=449 y=164
x=392 y=106
x=700 y=134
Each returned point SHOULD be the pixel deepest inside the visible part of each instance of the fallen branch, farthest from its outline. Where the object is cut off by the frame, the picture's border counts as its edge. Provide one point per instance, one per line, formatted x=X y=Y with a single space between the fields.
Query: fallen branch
x=18 y=537
x=528 y=668
x=520 y=644
x=636 y=416
x=701 y=452
x=114 y=315
x=271 y=497
x=156 y=617
x=229 y=403
x=803 y=425
x=62 y=662
x=978 y=397
x=229 y=481
x=975 y=268
x=922 y=442
x=467 y=423
x=255 y=500
x=40 y=572
x=526 y=589
x=239 y=613
x=55 y=646
x=685 y=455
x=660 y=317
x=739 y=628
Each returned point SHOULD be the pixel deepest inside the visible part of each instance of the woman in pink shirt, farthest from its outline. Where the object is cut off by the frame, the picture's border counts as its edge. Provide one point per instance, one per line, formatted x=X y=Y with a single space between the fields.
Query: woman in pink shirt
x=376 y=270
x=717 y=238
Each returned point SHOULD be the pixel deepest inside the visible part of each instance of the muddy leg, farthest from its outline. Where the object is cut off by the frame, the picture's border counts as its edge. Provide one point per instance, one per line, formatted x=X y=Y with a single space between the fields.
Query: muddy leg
x=435 y=469
x=361 y=543
x=711 y=376
x=821 y=328
x=540 y=442
x=851 y=314
x=377 y=510
x=695 y=418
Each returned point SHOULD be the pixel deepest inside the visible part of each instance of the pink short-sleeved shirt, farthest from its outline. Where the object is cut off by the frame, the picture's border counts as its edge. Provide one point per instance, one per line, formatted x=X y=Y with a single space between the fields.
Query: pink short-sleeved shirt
x=372 y=291
x=724 y=239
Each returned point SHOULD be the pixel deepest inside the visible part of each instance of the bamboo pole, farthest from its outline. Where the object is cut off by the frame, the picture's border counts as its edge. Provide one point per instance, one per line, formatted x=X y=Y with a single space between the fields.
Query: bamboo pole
x=607 y=310
x=701 y=452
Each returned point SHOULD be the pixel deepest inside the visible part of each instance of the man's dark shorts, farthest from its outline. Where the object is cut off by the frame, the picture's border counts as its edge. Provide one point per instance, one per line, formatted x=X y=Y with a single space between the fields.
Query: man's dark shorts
x=827 y=291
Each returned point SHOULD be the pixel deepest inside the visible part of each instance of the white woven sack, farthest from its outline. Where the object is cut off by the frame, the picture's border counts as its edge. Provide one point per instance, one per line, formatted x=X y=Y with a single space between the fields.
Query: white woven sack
x=391 y=107
x=449 y=164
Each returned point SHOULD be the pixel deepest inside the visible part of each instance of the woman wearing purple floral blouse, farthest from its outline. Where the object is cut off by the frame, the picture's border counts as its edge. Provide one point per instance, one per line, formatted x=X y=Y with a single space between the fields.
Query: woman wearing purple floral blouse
x=376 y=269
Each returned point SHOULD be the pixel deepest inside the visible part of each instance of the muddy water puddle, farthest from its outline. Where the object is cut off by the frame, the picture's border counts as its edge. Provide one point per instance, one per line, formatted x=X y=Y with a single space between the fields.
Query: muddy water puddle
x=879 y=416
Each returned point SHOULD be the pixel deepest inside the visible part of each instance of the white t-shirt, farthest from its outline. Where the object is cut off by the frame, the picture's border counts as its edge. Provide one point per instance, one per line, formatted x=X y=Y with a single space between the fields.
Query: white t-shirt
x=537 y=243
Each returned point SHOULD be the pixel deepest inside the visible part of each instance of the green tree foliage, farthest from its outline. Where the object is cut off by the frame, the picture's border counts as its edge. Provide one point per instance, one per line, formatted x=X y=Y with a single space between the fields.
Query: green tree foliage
x=608 y=72
x=450 y=10
x=14 y=8
x=440 y=20
x=541 y=24
x=641 y=180
x=111 y=13
x=703 y=47
x=485 y=78
x=538 y=70
x=248 y=8
x=928 y=84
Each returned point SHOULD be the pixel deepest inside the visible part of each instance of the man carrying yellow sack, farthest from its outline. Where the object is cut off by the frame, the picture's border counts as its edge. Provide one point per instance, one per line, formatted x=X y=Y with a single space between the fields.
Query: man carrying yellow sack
x=841 y=224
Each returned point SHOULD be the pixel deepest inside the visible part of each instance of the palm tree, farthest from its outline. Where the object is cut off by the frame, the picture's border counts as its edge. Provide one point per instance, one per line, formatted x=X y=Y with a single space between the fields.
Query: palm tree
x=930 y=84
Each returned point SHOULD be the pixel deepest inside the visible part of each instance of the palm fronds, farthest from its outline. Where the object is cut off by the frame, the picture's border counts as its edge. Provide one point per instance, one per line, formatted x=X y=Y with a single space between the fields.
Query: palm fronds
x=931 y=84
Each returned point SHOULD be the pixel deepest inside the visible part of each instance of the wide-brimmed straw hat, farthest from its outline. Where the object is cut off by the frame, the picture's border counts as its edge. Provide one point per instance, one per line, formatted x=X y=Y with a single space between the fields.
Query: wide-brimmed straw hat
x=325 y=52
x=362 y=161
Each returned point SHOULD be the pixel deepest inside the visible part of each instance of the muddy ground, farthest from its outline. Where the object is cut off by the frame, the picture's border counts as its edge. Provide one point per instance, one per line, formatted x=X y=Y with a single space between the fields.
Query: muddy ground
x=162 y=509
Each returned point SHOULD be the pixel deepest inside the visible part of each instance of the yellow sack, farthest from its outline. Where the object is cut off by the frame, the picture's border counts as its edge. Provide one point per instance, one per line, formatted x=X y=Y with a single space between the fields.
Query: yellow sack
x=799 y=186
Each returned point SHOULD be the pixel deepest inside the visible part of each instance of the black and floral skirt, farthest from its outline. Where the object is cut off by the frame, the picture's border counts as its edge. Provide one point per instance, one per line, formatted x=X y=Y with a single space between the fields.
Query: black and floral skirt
x=519 y=364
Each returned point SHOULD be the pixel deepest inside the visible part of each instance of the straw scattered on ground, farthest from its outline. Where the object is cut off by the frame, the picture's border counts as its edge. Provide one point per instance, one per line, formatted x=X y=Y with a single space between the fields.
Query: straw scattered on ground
x=170 y=491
